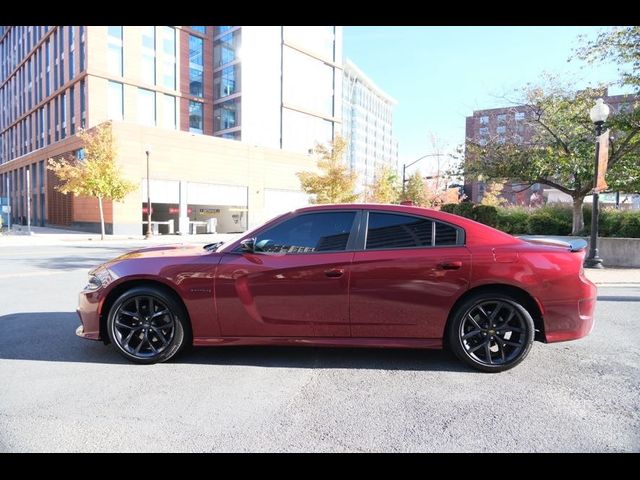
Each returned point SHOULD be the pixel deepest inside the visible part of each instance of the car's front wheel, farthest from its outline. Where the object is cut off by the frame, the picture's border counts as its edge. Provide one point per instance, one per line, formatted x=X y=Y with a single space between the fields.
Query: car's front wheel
x=147 y=325
x=491 y=332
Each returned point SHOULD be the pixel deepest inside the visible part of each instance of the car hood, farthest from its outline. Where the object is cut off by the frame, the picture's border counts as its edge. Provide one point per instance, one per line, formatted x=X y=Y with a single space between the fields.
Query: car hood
x=164 y=251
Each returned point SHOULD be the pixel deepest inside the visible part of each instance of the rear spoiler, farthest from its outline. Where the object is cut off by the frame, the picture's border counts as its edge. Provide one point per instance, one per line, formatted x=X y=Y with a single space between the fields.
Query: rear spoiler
x=573 y=244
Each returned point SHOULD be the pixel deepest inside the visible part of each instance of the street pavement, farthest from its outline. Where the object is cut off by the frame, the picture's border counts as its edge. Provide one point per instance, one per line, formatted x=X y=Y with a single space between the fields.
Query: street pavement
x=63 y=394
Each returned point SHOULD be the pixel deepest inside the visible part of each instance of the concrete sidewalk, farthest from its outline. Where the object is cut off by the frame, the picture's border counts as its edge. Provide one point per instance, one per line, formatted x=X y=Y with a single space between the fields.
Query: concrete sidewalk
x=57 y=236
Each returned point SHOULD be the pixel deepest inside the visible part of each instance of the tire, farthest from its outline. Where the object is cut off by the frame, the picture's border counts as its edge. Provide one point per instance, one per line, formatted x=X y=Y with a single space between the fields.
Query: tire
x=491 y=332
x=148 y=325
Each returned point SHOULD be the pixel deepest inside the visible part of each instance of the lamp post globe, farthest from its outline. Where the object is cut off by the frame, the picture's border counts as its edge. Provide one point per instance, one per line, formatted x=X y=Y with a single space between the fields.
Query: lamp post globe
x=598 y=115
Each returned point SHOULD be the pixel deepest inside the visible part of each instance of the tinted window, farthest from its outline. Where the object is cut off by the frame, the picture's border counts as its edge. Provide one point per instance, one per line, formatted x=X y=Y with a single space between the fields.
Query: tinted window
x=388 y=230
x=446 y=234
x=314 y=232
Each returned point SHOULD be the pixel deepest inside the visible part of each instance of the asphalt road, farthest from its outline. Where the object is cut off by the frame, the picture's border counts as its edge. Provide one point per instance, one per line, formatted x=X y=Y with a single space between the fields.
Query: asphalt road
x=63 y=394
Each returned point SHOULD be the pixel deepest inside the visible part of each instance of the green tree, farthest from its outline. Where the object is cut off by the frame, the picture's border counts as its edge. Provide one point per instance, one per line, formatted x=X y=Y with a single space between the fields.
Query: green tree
x=620 y=45
x=561 y=150
x=336 y=182
x=415 y=190
x=386 y=187
x=96 y=174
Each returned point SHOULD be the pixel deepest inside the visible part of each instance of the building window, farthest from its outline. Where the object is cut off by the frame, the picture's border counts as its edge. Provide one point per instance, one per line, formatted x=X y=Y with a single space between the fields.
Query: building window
x=483 y=131
x=231 y=135
x=484 y=120
x=202 y=30
x=72 y=37
x=72 y=109
x=501 y=118
x=167 y=51
x=225 y=115
x=169 y=112
x=502 y=139
x=219 y=30
x=196 y=65
x=57 y=119
x=115 y=101
x=146 y=107
x=82 y=104
x=501 y=129
x=226 y=81
x=226 y=48
x=82 y=56
x=518 y=116
x=195 y=117
x=63 y=115
x=114 y=50
x=148 y=67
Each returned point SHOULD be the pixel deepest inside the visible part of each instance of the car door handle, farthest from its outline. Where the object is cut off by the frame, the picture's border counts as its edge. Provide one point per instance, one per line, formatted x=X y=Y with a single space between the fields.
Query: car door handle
x=334 y=272
x=450 y=265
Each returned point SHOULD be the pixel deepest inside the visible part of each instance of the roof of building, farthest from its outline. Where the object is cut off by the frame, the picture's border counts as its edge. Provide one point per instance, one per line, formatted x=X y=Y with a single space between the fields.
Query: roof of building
x=350 y=67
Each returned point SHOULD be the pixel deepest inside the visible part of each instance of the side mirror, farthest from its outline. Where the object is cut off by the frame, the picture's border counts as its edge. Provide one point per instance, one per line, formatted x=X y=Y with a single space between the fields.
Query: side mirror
x=248 y=245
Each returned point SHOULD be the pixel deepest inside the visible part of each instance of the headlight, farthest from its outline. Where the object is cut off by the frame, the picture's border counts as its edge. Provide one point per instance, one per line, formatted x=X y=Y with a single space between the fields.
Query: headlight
x=94 y=283
x=98 y=279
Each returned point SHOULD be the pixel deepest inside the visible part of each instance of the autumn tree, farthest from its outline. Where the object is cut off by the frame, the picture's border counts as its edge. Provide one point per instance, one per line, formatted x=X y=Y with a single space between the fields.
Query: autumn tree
x=415 y=190
x=386 y=187
x=619 y=45
x=95 y=174
x=492 y=195
x=335 y=183
x=561 y=149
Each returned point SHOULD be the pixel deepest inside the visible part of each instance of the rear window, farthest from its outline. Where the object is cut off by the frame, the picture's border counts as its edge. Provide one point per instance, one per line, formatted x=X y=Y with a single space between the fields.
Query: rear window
x=392 y=230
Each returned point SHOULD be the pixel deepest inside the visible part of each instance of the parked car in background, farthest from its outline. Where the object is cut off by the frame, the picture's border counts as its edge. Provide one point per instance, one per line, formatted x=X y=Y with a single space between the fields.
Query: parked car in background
x=356 y=275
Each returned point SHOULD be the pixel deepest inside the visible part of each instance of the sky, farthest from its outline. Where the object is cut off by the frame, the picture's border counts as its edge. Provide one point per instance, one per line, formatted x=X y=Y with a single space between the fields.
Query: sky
x=440 y=75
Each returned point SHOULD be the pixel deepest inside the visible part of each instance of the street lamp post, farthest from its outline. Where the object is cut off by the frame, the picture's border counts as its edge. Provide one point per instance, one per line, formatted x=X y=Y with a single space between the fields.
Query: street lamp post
x=407 y=165
x=598 y=114
x=147 y=151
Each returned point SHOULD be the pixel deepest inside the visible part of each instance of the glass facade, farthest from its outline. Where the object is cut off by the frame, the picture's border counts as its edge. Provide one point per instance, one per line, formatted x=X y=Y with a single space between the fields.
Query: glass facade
x=196 y=65
x=226 y=81
x=146 y=107
x=195 y=117
x=115 y=104
x=226 y=48
x=167 y=57
x=114 y=50
x=169 y=112
x=226 y=115
x=148 y=66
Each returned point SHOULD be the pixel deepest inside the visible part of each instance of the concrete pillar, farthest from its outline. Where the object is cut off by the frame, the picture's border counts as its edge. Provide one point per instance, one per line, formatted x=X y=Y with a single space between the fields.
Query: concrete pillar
x=183 y=216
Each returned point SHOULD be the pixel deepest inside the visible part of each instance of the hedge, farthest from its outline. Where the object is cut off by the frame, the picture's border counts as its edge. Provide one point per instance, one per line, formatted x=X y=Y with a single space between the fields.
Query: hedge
x=550 y=219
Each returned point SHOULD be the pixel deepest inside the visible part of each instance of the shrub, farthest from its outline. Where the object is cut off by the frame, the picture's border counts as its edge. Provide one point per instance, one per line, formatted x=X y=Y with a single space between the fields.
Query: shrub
x=465 y=209
x=487 y=214
x=450 y=208
x=513 y=220
x=544 y=223
x=630 y=225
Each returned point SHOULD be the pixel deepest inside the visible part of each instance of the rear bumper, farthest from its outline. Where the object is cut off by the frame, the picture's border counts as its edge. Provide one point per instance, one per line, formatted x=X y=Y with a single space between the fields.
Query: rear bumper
x=571 y=319
x=89 y=317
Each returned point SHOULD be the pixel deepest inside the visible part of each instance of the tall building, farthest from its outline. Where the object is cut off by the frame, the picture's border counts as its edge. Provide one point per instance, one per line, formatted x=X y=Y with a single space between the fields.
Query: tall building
x=510 y=125
x=367 y=125
x=276 y=90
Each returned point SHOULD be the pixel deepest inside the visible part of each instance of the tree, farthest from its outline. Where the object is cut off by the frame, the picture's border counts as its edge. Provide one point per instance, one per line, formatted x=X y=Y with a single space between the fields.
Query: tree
x=561 y=149
x=620 y=45
x=386 y=188
x=492 y=194
x=96 y=173
x=336 y=182
x=415 y=190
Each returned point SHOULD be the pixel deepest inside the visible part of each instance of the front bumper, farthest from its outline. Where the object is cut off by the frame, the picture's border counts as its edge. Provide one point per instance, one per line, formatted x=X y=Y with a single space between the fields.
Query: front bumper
x=88 y=305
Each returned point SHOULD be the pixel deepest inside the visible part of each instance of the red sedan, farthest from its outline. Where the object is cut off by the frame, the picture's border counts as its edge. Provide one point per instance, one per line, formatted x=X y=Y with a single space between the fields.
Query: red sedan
x=357 y=275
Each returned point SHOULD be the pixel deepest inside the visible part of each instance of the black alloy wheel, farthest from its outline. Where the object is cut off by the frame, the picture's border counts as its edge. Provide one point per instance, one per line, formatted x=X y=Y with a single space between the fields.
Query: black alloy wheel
x=147 y=325
x=491 y=332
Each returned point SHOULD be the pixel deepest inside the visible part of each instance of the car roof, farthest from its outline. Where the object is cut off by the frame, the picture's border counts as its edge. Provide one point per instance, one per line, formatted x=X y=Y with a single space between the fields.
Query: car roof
x=476 y=233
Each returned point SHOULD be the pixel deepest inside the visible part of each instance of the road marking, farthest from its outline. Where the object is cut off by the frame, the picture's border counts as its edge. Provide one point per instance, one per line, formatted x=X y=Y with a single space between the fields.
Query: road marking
x=36 y=274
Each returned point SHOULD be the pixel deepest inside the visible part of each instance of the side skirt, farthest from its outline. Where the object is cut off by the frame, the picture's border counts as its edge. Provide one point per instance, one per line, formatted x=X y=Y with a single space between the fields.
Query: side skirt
x=431 y=343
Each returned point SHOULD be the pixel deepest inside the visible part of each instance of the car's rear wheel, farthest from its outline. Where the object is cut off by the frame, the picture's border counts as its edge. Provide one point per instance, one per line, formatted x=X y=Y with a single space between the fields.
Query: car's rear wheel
x=147 y=325
x=491 y=332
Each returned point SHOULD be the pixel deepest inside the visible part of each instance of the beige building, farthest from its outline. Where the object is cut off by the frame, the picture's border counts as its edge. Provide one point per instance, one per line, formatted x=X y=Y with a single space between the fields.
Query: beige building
x=224 y=149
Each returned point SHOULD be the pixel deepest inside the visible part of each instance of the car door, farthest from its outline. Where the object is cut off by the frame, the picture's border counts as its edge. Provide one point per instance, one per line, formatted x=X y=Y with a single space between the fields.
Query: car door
x=407 y=276
x=295 y=283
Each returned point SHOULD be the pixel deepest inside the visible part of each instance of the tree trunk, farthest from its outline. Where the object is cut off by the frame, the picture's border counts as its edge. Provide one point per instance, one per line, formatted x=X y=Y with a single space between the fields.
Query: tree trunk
x=101 y=218
x=578 y=220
